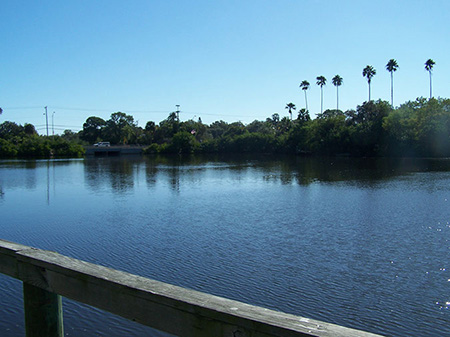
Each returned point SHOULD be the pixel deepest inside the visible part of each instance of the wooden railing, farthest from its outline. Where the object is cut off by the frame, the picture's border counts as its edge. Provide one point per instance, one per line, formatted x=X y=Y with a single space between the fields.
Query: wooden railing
x=48 y=275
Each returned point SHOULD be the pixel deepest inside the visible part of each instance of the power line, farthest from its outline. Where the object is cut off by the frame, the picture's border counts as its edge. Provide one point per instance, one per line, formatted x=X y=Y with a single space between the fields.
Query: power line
x=82 y=109
x=66 y=126
x=22 y=108
x=59 y=129
x=109 y=110
x=126 y=111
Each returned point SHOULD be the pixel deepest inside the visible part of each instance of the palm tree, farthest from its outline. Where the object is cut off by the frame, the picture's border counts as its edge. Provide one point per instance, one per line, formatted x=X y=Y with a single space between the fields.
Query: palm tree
x=392 y=66
x=290 y=106
x=305 y=86
x=321 y=81
x=429 y=67
x=369 y=72
x=337 y=81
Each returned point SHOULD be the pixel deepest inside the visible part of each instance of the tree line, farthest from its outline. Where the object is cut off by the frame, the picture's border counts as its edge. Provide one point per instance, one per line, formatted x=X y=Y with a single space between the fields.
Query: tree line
x=17 y=141
x=374 y=128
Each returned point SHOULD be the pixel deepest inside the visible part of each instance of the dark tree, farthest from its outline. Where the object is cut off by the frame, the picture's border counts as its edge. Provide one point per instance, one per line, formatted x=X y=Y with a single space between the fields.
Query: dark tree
x=303 y=116
x=321 y=81
x=290 y=107
x=429 y=67
x=29 y=129
x=305 y=86
x=120 y=129
x=392 y=66
x=92 y=129
x=10 y=129
x=337 y=82
x=369 y=72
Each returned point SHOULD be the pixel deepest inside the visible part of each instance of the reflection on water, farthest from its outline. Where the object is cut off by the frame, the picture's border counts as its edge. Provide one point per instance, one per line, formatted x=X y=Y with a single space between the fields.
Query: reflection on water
x=113 y=172
x=358 y=242
x=120 y=175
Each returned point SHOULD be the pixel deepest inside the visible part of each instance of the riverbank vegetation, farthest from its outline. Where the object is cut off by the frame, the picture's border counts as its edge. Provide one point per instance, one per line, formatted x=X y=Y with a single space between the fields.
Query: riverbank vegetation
x=416 y=128
x=374 y=128
x=17 y=141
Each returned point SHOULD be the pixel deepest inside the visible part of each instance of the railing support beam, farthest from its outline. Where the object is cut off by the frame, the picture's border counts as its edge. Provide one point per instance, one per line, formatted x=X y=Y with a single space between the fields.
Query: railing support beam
x=43 y=312
x=176 y=310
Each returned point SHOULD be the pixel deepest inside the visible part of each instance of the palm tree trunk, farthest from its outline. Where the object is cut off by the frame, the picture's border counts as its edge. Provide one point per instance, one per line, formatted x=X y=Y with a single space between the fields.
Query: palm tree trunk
x=392 y=89
x=306 y=101
x=369 y=91
x=431 y=92
x=337 y=98
x=321 y=99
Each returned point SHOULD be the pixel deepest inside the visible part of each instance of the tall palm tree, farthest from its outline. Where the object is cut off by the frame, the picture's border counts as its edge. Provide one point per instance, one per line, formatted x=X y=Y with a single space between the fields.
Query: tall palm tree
x=321 y=81
x=290 y=107
x=337 y=81
x=305 y=86
x=392 y=66
x=429 y=67
x=369 y=72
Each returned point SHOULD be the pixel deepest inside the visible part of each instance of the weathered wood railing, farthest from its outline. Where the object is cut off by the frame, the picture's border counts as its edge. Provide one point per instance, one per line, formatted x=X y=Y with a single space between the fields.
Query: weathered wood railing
x=48 y=275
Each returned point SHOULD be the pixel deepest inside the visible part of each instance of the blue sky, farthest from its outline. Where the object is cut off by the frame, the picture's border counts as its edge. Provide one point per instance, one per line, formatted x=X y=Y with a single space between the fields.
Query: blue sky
x=220 y=60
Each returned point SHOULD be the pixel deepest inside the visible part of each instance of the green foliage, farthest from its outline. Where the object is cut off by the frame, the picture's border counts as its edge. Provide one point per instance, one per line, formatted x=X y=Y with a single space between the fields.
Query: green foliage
x=303 y=116
x=235 y=129
x=210 y=146
x=330 y=113
x=416 y=128
x=327 y=136
x=259 y=126
x=71 y=136
x=366 y=130
x=34 y=147
x=218 y=128
x=295 y=140
x=419 y=128
x=23 y=142
x=253 y=143
x=119 y=129
x=29 y=129
x=10 y=129
x=92 y=129
x=166 y=129
x=183 y=142
x=61 y=147
x=197 y=129
x=153 y=149
x=7 y=149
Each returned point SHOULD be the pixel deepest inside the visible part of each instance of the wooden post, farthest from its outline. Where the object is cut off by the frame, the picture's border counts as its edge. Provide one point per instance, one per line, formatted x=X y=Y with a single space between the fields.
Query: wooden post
x=43 y=312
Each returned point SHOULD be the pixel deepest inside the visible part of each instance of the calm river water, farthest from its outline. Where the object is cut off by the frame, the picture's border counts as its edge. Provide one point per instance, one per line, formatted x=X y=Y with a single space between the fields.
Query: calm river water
x=361 y=243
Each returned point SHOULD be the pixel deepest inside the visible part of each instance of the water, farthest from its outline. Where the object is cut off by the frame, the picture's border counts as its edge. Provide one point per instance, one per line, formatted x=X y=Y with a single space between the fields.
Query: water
x=362 y=243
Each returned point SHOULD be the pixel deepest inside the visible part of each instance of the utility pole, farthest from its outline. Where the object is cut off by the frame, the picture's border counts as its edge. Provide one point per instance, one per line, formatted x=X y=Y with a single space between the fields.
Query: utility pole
x=53 y=125
x=178 y=111
x=46 y=119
